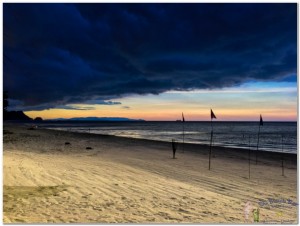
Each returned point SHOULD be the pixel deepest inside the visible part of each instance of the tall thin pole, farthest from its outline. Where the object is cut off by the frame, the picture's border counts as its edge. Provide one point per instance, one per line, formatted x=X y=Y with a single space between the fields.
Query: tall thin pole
x=249 y=156
x=211 y=137
x=257 y=144
x=282 y=157
x=183 y=136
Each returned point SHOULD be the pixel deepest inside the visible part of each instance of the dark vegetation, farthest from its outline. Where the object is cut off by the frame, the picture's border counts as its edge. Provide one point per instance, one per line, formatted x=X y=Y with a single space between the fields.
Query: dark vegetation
x=12 y=115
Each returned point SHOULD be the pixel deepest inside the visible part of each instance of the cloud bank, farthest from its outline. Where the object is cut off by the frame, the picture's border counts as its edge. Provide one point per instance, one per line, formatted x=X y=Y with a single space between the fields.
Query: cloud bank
x=59 y=54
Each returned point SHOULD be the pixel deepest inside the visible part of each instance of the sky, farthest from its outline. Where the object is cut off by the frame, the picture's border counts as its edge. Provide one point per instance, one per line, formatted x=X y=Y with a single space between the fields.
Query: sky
x=151 y=61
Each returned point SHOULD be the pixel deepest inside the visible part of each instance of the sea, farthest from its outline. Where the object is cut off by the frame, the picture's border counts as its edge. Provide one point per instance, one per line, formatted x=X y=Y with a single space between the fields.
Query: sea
x=272 y=136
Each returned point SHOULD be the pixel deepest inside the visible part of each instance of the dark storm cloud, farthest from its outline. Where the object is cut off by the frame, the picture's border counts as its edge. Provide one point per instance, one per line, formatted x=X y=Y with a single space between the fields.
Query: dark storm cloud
x=17 y=105
x=57 y=54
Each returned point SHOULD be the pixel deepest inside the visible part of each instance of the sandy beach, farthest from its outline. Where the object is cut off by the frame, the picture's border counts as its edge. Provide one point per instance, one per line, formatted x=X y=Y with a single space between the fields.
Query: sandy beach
x=124 y=180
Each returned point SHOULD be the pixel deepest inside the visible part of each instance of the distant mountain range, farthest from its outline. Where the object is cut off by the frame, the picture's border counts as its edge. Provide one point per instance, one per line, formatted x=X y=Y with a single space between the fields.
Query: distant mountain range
x=100 y=119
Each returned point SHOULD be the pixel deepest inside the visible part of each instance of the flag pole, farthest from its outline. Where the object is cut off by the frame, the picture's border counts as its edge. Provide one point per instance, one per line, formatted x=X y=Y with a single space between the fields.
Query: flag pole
x=211 y=136
x=212 y=115
x=282 y=157
x=183 y=121
x=260 y=124
x=257 y=145
x=249 y=157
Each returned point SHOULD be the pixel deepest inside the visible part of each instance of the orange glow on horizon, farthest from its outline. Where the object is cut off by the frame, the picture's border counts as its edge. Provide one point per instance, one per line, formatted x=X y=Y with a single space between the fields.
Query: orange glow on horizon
x=151 y=114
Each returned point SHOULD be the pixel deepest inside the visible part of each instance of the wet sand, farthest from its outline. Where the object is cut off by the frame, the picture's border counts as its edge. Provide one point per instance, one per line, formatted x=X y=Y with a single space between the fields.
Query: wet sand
x=124 y=180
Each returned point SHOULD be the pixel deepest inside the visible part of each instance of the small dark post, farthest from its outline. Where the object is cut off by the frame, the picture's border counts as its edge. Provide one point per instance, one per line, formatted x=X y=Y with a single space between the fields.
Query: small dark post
x=282 y=155
x=174 y=146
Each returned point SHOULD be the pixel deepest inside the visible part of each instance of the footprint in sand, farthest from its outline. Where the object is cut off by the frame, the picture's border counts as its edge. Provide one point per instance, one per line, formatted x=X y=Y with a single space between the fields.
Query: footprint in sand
x=183 y=211
x=97 y=208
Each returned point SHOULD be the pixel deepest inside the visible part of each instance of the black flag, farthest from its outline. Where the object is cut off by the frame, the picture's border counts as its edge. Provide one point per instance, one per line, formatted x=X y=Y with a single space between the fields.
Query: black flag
x=212 y=115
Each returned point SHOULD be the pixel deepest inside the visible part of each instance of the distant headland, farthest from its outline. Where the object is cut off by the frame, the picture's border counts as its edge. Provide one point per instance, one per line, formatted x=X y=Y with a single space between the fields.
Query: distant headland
x=21 y=116
x=99 y=119
x=15 y=115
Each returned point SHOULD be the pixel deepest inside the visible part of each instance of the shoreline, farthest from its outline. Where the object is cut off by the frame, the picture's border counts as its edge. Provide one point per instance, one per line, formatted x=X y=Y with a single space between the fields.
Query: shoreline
x=218 y=141
x=286 y=152
x=126 y=180
x=230 y=152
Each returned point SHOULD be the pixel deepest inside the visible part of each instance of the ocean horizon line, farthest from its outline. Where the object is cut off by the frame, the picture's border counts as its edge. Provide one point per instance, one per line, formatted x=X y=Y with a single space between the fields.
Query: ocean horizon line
x=143 y=121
